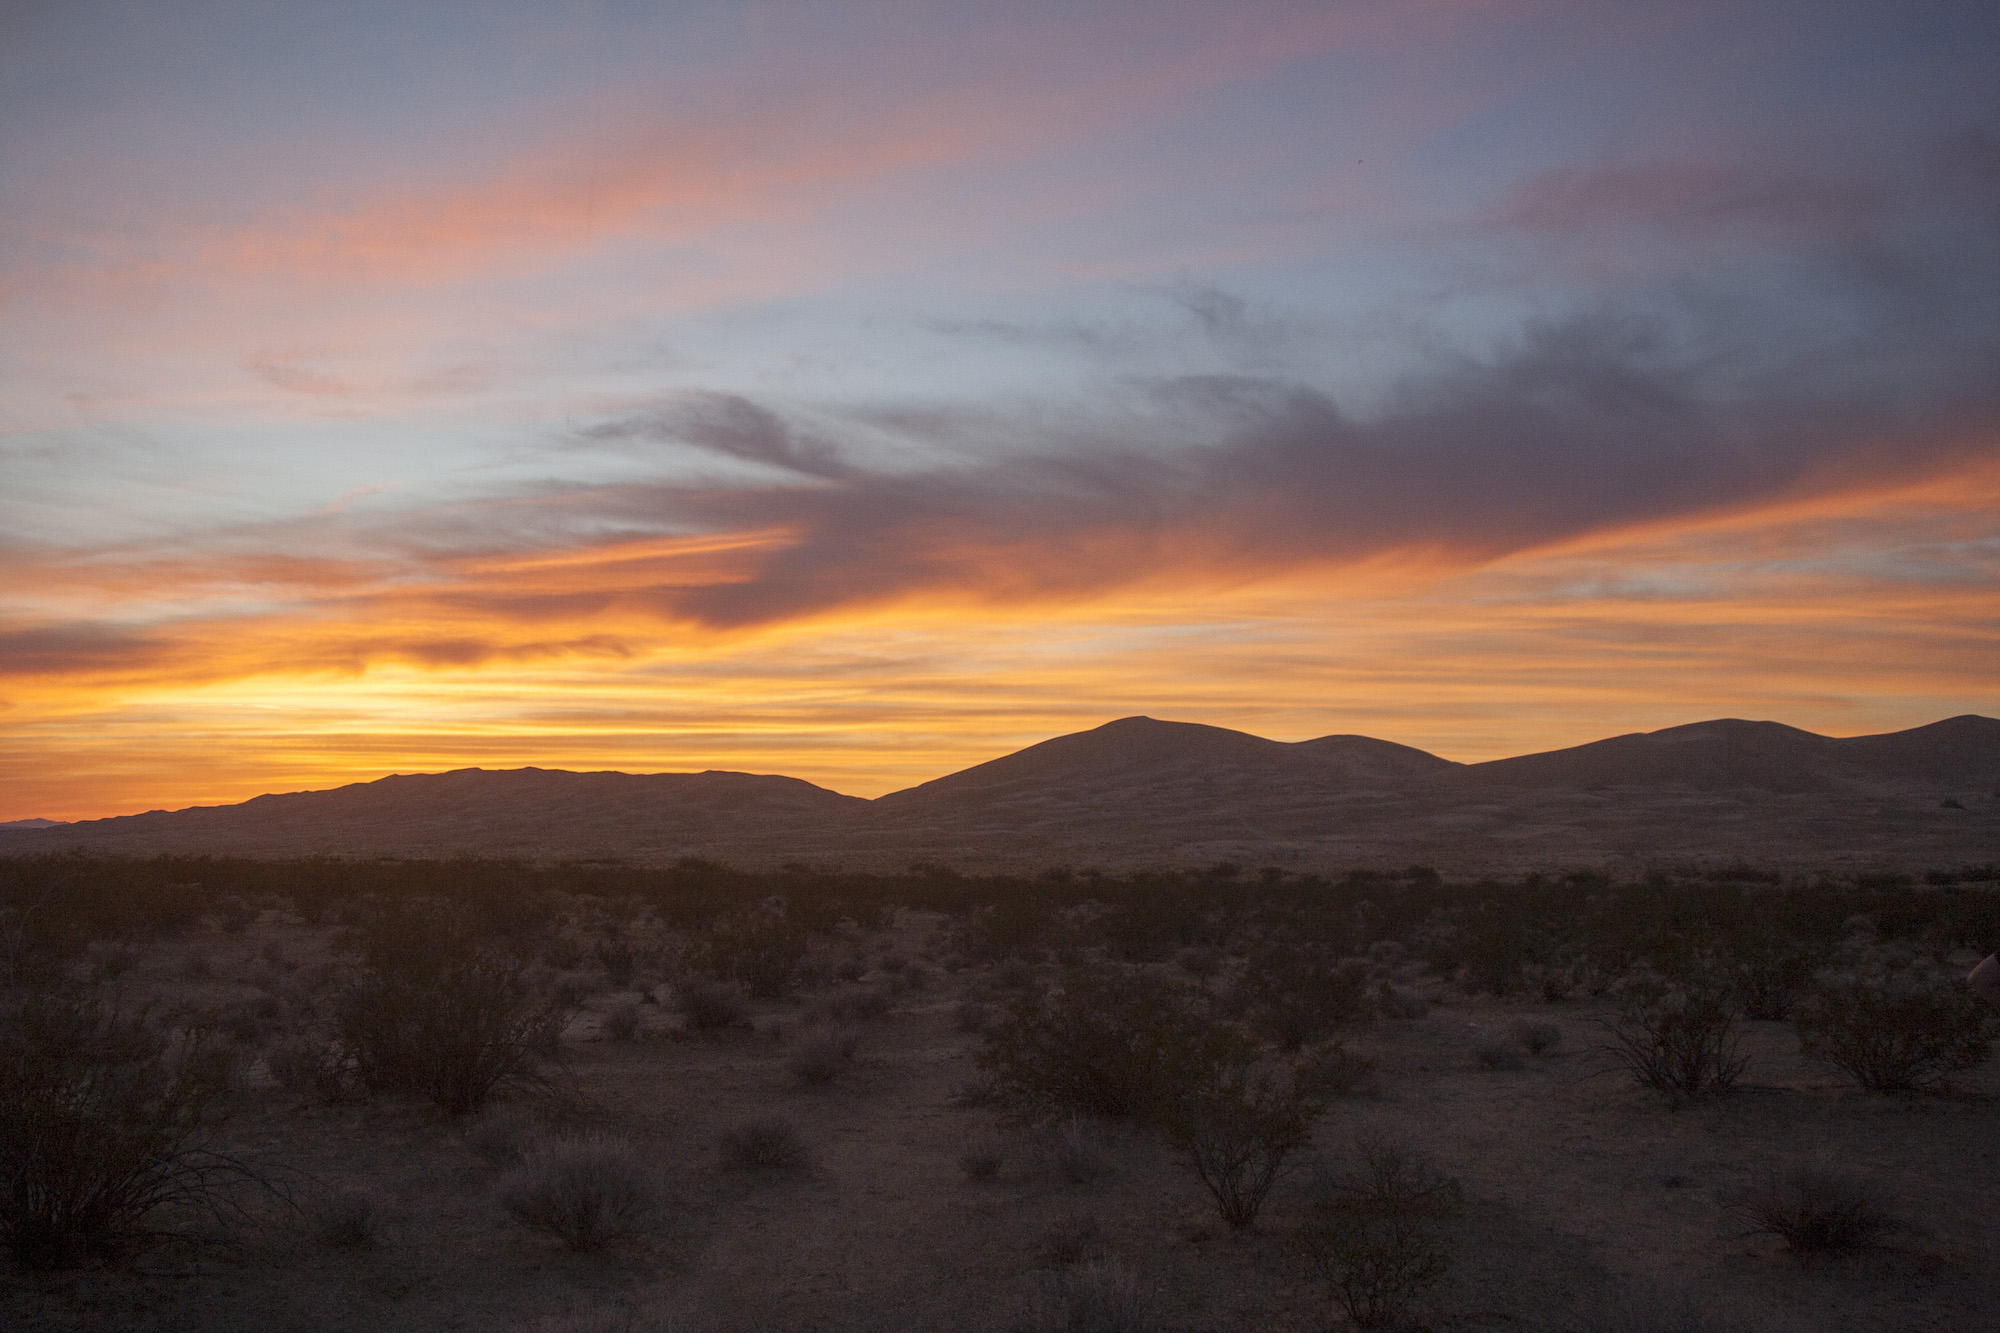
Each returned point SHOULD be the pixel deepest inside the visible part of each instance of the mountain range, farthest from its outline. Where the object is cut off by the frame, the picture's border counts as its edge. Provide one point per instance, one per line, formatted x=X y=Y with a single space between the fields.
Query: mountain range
x=1143 y=792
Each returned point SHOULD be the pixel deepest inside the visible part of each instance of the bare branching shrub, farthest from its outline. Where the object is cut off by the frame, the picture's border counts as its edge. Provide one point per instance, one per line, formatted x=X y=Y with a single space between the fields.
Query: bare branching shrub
x=620 y=963
x=346 y=1220
x=982 y=1159
x=455 y=1031
x=1815 y=1208
x=710 y=1004
x=1237 y=1121
x=1373 y=1235
x=1680 y=1038
x=500 y=1135
x=103 y=1125
x=821 y=1055
x=1535 y=1036
x=585 y=1192
x=1102 y=1043
x=1893 y=1022
x=620 y=1022
x=768 y=1144
x=1071 y=1239
x=1089 y=1298
x=314 y=1067
x=1298 y=995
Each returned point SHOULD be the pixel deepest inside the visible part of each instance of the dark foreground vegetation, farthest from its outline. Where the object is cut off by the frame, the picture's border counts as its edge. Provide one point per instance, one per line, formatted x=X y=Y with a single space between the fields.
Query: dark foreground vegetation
x=150 y=1009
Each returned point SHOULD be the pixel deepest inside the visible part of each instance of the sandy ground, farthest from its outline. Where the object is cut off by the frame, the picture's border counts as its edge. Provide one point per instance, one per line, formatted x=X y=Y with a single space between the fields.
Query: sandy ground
x=1580 y=1188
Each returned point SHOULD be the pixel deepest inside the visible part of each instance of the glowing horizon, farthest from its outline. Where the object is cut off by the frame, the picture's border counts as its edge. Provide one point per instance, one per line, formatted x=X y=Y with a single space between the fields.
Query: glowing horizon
x=862 y=391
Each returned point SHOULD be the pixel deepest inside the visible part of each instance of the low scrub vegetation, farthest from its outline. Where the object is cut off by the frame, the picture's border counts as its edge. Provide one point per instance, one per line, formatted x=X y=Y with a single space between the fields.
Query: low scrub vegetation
x=1816 y=1208
x=1894 y=1021
x=587 y=1192
x=1373 y=1235
x=1680 y=1037
x=765 y=1144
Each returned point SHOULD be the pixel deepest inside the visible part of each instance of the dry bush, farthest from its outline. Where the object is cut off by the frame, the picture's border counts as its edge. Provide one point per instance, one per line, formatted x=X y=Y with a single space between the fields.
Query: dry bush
x=313 y=1067
x=770 y=1144
x=500 y=1135
x=1893 y=1022
x=620 y=963
x=1372 y=1235
x=455 y=1025
x=982 y=1159
x=1535 y=1036
x=1397 y=1003
x=1815 y=1209
x=620 y=1022
x=822 y=1055
x=1494 y=1053
x=585 y=1192
x=1297 y=995
x=103 y=1125
x=344 y=1221
x=1237 y=1123
x=710 y=1004
x=1678 y=1038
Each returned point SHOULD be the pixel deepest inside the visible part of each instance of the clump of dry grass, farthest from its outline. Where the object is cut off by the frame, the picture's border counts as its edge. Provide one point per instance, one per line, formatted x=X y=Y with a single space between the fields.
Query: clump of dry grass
x=821 y=1055
x=710 y=1004
x=501 y=1135
x=1089 y=1298
x=620 y=1022
x=1535 y=1036
x=1814 y=1209
x=585 y=1192
x=767 y=1144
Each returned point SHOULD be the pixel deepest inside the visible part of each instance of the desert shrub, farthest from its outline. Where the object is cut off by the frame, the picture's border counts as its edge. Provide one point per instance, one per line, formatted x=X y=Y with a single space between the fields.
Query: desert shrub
x=1535 y=1036
x=821 y=1055
x=314 y=1067
x=110 y=959
x=346 y=1220
x=1893 y=1022
x=500 y=1135
x=1297 y=994
x=769 y=1143
x=1679 y=1038
x=759 y=949
x=1494 y=1053
x=982 y=1159
x=103 y=1125
x=1100 y=1043
x=710 y=1005
x=456 y=1031
x=1075 y=1151
x=1070 y=1239
x=1088 y=1298
x=1398 y=1003
x=1372 y=1235
x=620 y=963
x=1237 y=1122
x=863 y=1005
x=585 y=1192
x=1814 y=1208
x=620 y=1022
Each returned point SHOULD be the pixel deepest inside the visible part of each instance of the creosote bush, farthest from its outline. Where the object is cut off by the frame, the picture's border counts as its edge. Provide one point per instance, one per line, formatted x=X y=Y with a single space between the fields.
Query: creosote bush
x=1815 y=1208
x=1535 y=1036
x=103 y=1125
x=982 y=1160
x=586 y=1192
x=1372 y=1235
x=346 y=1220
x=1894 y=1022
x=1238 y=1120
x=1679 y=1038
x=500 y=1135
x=620 y=1022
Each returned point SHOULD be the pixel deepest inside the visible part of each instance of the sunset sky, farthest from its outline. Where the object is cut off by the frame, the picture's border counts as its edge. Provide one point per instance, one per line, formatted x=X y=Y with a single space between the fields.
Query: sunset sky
x=860 y=391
